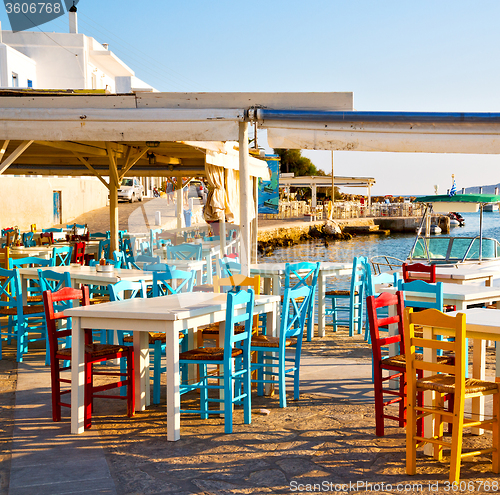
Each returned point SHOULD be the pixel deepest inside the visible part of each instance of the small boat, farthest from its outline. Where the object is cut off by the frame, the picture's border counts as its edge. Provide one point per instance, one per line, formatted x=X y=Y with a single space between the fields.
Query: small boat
x=456 y=220
x=434 y=229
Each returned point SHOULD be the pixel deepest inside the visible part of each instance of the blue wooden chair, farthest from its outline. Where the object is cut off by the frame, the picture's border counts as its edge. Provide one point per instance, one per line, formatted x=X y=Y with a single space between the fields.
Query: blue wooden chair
x=34 y=294
x=304 y=274
x=271 y=351
x=103 y=251
x=145 y=248
x=130 y=290
x=350 y=301
x=119 y=258
x=373 y=285
x=234 y=361
x=228 y=268
x=185 y=252
x=62 y=255
x=158 y=267
x=172 y=282
x=100 y=235
x=21 y=320
x=153 y=242
x=27 y=239
x=54 y=281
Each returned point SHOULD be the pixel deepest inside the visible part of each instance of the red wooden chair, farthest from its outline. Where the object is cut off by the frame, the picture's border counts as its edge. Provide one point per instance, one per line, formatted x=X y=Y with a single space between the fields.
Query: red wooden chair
x=428 y=272
x=79 y=253
x=396 y=365
x=55 y=303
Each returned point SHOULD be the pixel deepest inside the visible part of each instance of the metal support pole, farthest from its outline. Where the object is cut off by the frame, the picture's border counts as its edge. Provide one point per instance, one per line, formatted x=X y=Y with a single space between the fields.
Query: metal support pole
x=113 y=209
x=245 y=192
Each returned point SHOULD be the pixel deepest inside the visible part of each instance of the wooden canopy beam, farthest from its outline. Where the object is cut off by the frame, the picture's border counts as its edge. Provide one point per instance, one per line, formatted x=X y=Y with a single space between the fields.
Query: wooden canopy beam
x=15 y=155
x=4 y=149
x=86 y=162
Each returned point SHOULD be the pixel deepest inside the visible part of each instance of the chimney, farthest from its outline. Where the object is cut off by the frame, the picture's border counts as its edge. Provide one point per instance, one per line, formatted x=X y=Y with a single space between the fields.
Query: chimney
x=73 y=21
x=106 y=46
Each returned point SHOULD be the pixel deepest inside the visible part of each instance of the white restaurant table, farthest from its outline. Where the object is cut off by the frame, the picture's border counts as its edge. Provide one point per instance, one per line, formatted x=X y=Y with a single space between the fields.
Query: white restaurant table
x=169 y=314
x=273 y=273
x=467 y=273
x=88 y=275
x=481 y=325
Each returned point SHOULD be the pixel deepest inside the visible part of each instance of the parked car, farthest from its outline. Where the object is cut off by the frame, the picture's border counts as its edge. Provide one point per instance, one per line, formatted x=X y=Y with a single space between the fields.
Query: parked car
x=201 y=189
x=130 y=190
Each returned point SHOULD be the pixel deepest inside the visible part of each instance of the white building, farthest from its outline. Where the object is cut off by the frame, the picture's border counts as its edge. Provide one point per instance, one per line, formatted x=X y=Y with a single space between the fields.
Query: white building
x=60 y=61
x=39 y=60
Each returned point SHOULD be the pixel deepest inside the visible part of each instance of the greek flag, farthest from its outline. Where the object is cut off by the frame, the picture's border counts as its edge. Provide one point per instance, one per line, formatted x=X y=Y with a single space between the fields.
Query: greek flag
x=453 y=189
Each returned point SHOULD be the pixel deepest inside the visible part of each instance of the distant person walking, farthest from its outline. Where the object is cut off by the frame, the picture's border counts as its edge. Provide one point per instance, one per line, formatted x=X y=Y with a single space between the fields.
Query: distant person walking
x=169 y=190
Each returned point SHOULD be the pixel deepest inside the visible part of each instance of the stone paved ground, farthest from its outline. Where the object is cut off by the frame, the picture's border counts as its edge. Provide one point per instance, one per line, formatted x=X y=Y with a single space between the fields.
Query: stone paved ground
x=316 y=440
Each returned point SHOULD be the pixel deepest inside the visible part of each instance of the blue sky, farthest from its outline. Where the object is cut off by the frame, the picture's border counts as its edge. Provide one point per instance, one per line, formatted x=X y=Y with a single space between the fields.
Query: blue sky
x=393 y=55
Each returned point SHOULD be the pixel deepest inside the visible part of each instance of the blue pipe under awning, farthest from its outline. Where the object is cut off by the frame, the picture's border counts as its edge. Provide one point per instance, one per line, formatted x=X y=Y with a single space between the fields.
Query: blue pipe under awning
x=409 y=117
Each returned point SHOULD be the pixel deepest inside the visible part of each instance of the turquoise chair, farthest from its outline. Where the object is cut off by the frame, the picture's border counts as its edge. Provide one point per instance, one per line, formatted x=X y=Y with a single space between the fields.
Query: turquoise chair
x=62 y=255
x=128 y=252
x=271 y=351
x=27 y=239
x=53 y=281
x=34 y=294
x=21 y=320
x=153 y=233
x=234 y=361
x=146 y=248
x=100 y=235
x=142 y=258
x=103 y=251
x=350 y=301
x=172 y=282
x=373 y=283
x=228 y=268
x=304 y=274
x=119 y=258
x=185 y=252
x=158 y=267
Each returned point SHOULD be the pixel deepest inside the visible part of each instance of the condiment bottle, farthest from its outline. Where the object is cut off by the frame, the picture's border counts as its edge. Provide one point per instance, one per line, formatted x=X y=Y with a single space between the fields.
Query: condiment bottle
x=102 y=261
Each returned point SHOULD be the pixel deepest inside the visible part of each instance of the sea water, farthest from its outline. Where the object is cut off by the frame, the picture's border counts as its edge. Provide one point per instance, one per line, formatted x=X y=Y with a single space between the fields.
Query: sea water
x=396 y=245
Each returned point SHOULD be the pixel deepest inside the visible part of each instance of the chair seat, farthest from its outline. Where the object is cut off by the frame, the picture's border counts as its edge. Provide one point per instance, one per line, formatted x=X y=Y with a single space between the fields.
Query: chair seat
x=99 y=299
x=95 y=350
x=400 y=360
x=340 y=292
x=265 y=341
x=445 y=384
x=35 y=299
x=27 y=310
x=213 y=329
x=299 y=299
x=208 y=354
x=153 y=337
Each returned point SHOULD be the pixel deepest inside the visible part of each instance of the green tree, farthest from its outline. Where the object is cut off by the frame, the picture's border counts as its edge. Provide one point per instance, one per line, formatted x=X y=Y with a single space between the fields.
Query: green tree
x=293 y=161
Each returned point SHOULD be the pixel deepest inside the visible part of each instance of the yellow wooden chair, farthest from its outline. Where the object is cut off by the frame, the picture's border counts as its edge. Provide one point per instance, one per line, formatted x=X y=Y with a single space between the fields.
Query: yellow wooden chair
x=211 y=332
x=445 y=379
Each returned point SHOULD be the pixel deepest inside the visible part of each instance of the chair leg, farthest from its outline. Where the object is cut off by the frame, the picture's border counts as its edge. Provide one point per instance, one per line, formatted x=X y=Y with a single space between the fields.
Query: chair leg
x=88 y=397
x=56 y=391
x=379 y=403
x=281 y=378
x=402 y=400
x=130 y=384
x=228 y=399
x=456 y=440
x=496 y=434
x=203 y=391
x=411 y=443
x=438 y=426
x=247 y=390
x=156 y=371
